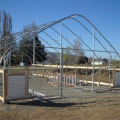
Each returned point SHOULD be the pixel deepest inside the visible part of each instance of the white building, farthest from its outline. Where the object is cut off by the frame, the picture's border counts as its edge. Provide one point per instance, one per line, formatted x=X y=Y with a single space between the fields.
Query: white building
x=99 y=63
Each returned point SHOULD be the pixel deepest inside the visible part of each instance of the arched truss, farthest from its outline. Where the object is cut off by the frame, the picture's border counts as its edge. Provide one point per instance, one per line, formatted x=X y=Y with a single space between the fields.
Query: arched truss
x=76 y=22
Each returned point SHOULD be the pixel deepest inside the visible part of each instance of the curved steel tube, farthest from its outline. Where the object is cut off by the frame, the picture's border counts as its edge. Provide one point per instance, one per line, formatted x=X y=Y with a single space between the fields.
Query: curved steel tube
x=46 y=26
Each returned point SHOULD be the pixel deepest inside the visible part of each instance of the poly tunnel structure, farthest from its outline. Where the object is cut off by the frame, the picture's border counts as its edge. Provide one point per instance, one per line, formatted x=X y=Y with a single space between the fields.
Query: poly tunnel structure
x=73 y=36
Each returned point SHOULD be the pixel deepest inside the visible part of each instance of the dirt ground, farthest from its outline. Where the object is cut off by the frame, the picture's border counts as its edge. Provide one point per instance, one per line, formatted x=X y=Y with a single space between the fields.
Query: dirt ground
x=75 y=104
x=98 y=106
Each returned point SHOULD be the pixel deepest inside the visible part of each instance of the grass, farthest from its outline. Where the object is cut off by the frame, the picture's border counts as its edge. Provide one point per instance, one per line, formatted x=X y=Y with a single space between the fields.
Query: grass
x=104 y=76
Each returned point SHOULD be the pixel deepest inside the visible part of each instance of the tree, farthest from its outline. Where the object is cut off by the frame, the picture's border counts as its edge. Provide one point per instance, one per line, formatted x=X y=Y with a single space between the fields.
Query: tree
x=6 y=24
x=0 y=24
x=5 y=29
x=78 y=51
x=27 y=46
x=66 y=54
x=78 y=48
x=82 y=60
x=41 y=54
x=52 y=59
x=98 y=59
x=90 y=59
x=27 y=49
x=105 y=60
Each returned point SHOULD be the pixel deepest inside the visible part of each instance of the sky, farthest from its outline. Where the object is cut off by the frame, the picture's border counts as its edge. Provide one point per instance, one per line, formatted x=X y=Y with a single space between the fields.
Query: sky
x=103 y=14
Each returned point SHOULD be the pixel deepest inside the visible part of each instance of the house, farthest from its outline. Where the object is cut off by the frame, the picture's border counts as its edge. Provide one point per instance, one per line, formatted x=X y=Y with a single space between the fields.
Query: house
x=23 y=64
x=99 y=63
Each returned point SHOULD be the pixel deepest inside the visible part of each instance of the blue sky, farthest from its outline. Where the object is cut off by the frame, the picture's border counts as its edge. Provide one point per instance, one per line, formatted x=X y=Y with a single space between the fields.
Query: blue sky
x=104 y=14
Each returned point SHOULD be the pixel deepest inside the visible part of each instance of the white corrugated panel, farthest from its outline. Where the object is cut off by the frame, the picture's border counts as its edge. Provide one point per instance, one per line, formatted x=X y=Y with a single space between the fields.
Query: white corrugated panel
x=117 y=79
x=16 y=86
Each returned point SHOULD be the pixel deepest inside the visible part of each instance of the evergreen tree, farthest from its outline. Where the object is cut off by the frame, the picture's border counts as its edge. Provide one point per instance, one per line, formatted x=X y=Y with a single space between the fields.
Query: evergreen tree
x=82 y=60
x=27 y=49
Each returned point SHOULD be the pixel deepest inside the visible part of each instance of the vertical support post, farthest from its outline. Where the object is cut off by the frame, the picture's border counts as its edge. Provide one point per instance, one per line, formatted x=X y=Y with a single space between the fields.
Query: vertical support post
x=33 y=62
x=75 y=80
x=57 y=80
x=86 y=73
x=27 y=74
x=93 y=60
x=99 y=74
x=64 y=79
x=109 y=64
x=61 y=60
x=75 y=64
x=10 y=59
x=57 y=67
x=49 y=67
x=22 y=61
x=43 y=69
x=4 y=85
x=75 y=69
x=72 y=79
x=69 y=80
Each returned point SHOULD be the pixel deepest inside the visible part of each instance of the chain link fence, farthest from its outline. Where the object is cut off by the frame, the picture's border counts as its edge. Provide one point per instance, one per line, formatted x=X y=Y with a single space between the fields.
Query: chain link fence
x=40 y=84
x=47 y=82
x=1 y=84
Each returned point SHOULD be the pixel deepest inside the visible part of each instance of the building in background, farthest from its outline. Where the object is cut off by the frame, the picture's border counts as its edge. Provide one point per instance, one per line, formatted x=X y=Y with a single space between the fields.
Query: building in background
x=99 y=63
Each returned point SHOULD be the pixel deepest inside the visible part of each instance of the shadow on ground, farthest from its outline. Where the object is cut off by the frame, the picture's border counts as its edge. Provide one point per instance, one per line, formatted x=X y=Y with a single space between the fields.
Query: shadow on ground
x=49 y=103
x=45 y=103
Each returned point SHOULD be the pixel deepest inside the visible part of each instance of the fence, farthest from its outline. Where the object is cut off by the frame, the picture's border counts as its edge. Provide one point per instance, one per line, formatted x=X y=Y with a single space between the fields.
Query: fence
x=39 y=87
x=1 y=84
x=14 y=85
x=17 y=84
x=67 y=80
x=20 y=84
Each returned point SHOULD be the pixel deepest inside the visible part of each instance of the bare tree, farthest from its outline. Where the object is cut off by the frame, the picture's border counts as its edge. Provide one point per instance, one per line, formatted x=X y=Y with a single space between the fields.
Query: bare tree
x=9 y=30
x=90 y=59
x=5 y=24
x=66 y=56
x=26 y=31
x=67 y=52
x=78 y=48
x=78 y=51
x=5 y=29
x=30 y=30
x=52 y=59
x=33 y=26
x=99 y=59
x=0 y=24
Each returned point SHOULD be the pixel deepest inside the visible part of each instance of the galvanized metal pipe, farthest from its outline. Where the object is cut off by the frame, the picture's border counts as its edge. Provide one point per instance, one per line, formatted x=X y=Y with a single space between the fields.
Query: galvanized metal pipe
x=109 y=64
x=99 y=74
x=33 y=62
x=93 y=60
x=22 y=61
x=61 y=60
x=10 y=60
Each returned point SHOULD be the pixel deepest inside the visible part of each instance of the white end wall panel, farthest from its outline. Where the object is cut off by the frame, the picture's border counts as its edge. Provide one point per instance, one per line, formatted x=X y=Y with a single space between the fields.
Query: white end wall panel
x=16 y=87
x=116 y=79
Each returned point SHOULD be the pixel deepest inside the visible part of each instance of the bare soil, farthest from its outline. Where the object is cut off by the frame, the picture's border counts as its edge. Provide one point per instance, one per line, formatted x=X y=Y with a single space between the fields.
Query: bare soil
x=75 y=104
x=97 y=106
